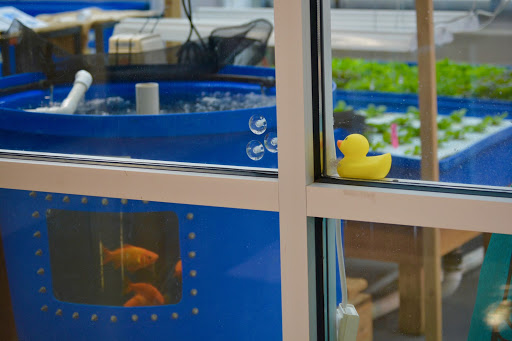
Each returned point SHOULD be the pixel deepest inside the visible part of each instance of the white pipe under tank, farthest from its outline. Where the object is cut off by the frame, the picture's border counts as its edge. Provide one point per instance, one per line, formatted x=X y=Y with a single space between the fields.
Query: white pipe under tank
x=147 y=98
x=83 y=81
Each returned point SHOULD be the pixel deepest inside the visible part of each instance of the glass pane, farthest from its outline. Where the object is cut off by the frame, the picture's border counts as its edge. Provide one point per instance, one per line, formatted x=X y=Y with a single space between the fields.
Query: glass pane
x=145 y=87
x=388 y=280
x=378 y=81
x=87 y=267
x=142 y=245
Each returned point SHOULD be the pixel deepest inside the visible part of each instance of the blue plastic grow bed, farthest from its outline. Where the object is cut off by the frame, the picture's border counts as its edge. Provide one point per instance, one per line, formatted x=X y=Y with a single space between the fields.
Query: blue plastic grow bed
x=485 y=163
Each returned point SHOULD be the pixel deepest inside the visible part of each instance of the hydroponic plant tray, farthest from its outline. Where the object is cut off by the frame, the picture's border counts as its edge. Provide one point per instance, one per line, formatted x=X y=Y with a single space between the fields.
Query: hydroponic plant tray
x=479 y=155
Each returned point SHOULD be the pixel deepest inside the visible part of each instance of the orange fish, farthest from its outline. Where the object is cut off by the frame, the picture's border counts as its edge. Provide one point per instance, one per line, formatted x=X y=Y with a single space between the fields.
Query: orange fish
x=178 y=269
x=136 y=301
x=149 y=292
x=131 y=257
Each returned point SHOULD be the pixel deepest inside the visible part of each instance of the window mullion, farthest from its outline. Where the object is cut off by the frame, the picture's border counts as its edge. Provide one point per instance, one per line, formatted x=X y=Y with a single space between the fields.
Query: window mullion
x=294 y=129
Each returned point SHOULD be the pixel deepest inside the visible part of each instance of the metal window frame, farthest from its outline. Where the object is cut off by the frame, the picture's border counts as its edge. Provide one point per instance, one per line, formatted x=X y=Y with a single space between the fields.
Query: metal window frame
x=294 y=194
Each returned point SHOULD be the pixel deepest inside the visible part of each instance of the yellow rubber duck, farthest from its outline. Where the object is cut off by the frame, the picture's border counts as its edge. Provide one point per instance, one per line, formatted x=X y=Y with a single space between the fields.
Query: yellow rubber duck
x=356 y=164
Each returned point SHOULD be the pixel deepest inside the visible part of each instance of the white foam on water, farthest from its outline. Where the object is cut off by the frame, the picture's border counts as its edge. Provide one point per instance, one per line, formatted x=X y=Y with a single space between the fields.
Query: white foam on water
x=206 y=102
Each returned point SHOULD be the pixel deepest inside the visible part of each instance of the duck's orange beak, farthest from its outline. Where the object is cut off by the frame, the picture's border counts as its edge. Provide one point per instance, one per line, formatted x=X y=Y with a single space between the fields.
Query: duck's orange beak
x=339 y=144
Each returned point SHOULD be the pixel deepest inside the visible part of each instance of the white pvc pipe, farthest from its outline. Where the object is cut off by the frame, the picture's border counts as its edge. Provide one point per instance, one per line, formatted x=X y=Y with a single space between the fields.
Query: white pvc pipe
x=83 y=81
x=147 y=98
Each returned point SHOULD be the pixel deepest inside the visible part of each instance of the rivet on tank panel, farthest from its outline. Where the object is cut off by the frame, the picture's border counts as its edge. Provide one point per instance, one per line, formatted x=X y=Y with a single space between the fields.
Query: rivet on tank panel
x=94 y=317
x=193 y=273
x=193 y=292
x=192 y=254
x=44 y=308
x=35 y=214
x=65 y=199
x=37 y=234
x=40 y=271
x=48 y=197
x=75 y=315
x=113 y=319
x=104 y=201
x=124 y=201
x=174 y=316
x=33 y=194
x=39 y=252
x=58 y=312
x=42 y=290
x=195 y=311
x=154 y=317
x=48 y=212
x=84 y=200
x=190 y=216
x=135 y=318
x=191 y=235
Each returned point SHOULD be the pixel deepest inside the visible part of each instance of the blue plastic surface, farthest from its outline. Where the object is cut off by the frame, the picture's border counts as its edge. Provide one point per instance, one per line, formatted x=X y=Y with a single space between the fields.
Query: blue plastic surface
x=35 y=8
x=237 y=282
x=214 y=137
x=445 y=105
x=20 y=79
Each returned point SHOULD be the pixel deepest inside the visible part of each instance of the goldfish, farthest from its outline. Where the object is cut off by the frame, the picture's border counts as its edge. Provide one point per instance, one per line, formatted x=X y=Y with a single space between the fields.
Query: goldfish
x=136 y=301
x=178 y=269
x=131 y=257
x=149 y=293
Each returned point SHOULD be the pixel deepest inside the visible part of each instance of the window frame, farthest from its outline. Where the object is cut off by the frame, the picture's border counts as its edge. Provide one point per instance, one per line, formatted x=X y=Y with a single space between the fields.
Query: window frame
x=294 y=193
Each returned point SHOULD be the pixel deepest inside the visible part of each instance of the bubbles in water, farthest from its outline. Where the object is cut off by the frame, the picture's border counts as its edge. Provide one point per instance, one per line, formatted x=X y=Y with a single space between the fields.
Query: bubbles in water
x=255 y=150
x=271 y=142
x=258 y=124
x=203 y=102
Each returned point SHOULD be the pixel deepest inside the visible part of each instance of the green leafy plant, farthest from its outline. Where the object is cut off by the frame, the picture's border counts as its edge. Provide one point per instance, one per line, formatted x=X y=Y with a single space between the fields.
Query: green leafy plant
x=414 y=151
x=374 y=111
x=342 y=106
x=457 y=115
x=451 y=127
x=453 y=79
x=497 y=119
x=377 y=145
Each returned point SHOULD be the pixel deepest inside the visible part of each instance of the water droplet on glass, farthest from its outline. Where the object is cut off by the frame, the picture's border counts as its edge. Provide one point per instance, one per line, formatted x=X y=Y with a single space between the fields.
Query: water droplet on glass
x=271 y=142
x=255 y=150
x=258 y=124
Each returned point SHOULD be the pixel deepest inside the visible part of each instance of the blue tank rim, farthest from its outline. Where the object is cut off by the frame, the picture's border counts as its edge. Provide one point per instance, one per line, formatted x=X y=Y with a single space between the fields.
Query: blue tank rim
x=129 y=126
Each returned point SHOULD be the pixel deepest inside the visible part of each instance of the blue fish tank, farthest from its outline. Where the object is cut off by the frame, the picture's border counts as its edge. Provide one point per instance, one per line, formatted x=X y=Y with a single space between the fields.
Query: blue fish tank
x=85 y=268
x=90 y=267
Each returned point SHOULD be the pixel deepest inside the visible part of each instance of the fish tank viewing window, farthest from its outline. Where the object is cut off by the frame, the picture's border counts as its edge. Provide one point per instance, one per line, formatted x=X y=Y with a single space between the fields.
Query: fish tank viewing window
x=118 y=259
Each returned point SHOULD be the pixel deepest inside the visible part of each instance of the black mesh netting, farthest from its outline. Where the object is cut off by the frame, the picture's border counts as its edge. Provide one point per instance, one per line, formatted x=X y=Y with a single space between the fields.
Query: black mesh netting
x=237 y=45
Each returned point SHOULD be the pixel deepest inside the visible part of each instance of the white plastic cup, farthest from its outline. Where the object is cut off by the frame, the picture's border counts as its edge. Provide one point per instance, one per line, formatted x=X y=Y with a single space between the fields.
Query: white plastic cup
x=147 y=98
